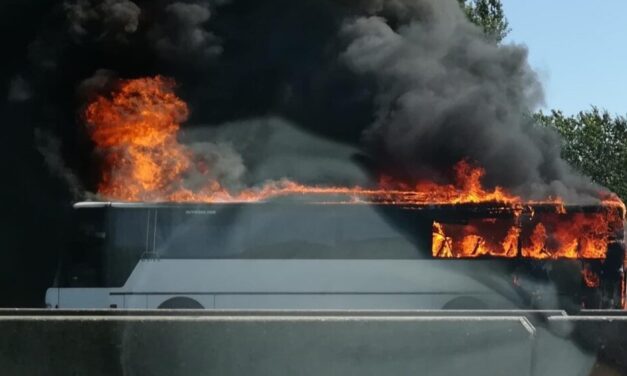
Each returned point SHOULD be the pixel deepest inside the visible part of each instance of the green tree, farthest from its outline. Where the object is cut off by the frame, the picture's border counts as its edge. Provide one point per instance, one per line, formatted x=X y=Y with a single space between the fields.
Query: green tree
x=595 y=143
x=489 y=15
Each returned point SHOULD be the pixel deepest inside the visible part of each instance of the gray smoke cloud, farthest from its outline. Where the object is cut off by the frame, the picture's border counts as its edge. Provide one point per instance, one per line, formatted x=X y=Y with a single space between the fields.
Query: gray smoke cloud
x=445 y=93
x=106 y=19
x=411 y=86
x=260 y=150
x=19 y=90
x=215 y=162
x=182 y=36
x=49 y=146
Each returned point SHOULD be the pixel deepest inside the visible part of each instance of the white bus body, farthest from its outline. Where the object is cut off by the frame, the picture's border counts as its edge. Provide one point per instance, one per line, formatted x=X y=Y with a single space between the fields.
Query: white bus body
x=360 y=260
x=287 y=284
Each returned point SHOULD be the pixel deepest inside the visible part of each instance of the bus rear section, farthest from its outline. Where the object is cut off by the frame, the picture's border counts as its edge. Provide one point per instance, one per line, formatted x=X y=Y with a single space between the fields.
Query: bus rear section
x=297 y=256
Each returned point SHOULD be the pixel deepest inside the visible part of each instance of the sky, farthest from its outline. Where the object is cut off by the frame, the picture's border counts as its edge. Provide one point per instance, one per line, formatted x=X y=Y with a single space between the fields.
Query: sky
x=578 y=48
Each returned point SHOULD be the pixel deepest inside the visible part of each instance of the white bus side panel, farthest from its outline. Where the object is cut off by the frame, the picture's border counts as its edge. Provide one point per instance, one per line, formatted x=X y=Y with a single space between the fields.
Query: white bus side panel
x=311 y=284
x=332 y=301
x=77 y=297
x=298 y=284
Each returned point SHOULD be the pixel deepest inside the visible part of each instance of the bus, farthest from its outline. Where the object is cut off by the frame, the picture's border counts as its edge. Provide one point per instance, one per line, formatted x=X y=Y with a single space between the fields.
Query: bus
x=282 y=255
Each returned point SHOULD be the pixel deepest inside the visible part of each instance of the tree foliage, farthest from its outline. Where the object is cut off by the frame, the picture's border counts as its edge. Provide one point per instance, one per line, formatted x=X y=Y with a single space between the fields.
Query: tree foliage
x=595 y=143
x=489 y=15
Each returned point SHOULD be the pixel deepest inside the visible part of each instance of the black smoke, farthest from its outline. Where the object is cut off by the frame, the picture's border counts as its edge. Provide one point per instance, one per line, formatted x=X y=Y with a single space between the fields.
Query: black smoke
x=446 y=93
x=406 y=87
x=109 y=19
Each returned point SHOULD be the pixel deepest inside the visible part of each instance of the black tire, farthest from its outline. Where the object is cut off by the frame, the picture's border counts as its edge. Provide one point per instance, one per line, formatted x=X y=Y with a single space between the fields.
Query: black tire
x=180 y=302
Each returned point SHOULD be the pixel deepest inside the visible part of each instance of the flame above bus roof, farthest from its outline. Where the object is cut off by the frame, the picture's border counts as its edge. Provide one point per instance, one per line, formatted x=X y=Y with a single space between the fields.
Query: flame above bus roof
x=135 y=129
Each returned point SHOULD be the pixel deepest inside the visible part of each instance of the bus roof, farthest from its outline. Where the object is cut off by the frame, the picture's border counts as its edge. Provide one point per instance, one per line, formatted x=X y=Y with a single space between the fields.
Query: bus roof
x=143 y=205
x=468 y=208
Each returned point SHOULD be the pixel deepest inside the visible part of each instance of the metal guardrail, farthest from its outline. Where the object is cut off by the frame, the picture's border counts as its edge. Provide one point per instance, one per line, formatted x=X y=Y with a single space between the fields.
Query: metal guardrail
x=328 y=342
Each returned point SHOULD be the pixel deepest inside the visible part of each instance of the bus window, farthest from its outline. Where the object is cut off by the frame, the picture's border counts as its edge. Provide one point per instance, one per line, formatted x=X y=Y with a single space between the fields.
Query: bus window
x=128 y=239
x=81 y=263
x=256 y=231
x=332 y=232
x=203 y=233
x=365 y=232
x=105 y=247
x=292 y=232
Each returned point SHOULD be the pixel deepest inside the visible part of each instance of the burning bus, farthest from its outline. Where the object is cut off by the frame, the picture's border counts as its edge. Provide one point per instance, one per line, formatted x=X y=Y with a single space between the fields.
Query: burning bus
x=430 y=243
x=295 y=254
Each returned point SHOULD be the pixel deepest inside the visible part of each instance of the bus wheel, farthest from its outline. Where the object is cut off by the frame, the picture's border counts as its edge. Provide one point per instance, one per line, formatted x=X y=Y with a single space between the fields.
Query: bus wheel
x=180 y=302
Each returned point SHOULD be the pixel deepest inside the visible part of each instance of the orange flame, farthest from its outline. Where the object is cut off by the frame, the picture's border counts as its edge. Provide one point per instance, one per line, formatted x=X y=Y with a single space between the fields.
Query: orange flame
x=590 y=278
x=480 y=237
x=559 y=234
x=576 y=235
x=135 y=129
x=136 y=126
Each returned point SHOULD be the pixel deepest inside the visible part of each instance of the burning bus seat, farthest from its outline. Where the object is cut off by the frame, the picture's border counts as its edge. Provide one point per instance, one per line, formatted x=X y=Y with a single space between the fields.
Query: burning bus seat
x=267 y=345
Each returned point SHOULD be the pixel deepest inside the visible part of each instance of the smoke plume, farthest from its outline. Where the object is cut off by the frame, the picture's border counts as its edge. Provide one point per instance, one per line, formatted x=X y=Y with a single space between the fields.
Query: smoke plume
x=445 y=92
x=410 y=87
x=50 y=148
x=181 y=36
x=101 y=19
